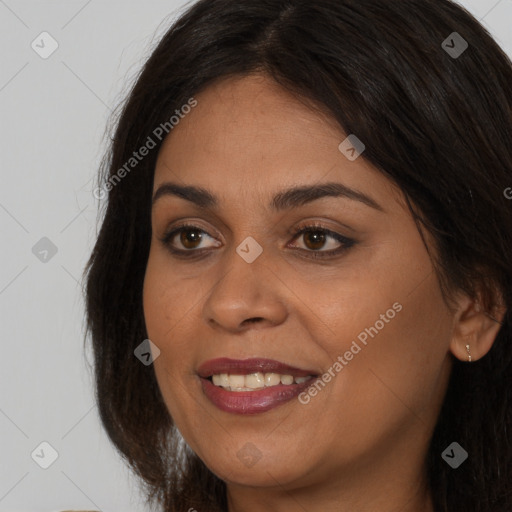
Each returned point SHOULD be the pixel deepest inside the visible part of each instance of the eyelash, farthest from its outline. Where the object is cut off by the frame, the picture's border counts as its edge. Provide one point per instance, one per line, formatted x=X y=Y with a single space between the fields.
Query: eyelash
x=347 y=243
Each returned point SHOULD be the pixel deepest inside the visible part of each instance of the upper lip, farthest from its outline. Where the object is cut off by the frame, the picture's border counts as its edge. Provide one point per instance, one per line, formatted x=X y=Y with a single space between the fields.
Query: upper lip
x=247 y=366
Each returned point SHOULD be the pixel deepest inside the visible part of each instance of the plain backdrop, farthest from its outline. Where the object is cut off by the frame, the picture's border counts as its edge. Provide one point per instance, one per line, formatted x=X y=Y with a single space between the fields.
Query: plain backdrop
x=54 y=113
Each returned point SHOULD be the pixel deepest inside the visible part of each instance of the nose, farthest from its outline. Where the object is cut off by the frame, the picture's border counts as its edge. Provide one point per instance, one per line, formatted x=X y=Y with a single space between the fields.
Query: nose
x=245 y=296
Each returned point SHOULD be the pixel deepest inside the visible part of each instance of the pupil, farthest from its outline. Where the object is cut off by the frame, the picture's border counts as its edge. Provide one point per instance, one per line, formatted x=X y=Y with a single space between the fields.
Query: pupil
x=189 y=237
x=316 y=239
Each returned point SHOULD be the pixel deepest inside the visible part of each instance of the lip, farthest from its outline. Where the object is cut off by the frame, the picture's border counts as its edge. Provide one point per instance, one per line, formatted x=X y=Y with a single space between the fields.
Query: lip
x=247 y=366
x=251 y=402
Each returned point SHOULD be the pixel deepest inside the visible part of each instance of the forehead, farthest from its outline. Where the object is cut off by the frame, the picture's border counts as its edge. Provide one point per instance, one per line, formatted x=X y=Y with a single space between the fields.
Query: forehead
x=247 y=112
x=251 y=136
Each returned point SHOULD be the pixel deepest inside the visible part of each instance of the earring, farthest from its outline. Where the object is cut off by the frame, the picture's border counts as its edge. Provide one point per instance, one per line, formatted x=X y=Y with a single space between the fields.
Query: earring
x=469 y=353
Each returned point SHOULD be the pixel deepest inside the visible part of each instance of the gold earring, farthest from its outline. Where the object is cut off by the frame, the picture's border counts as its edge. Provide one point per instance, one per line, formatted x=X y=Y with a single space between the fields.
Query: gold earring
x=469 y=353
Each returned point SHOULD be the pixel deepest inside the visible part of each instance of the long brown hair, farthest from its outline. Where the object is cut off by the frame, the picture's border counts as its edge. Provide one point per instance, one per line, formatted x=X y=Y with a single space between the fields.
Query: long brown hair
x=437 y=124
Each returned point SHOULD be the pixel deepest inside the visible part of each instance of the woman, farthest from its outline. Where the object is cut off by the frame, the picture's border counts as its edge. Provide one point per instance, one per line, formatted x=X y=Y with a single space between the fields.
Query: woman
x=300 y=295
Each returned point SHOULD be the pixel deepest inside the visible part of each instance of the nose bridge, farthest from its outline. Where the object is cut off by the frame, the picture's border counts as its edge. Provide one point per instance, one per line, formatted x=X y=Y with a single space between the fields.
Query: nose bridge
x=246 y=290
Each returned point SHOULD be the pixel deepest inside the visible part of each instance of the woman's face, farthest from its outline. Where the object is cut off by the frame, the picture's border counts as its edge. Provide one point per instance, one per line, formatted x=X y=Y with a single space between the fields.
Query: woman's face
x=354 y=301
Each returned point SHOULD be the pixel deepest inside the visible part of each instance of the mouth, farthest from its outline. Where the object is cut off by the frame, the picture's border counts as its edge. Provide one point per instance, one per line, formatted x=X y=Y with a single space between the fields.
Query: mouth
x=252 y=386
x=254 y=381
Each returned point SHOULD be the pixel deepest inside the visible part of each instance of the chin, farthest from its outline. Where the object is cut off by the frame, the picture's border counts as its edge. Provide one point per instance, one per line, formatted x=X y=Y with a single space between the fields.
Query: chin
x=246 y=467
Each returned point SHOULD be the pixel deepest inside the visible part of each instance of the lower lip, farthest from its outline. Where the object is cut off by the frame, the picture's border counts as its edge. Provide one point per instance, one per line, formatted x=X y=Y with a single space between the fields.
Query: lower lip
x=252 y=402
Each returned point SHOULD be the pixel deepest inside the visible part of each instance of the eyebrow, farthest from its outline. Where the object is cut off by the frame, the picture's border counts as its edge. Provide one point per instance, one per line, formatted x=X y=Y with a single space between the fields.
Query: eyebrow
x=286 y=199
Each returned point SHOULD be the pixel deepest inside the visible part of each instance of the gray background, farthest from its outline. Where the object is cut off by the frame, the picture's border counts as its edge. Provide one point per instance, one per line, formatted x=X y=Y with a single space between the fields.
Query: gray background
x=53 y=117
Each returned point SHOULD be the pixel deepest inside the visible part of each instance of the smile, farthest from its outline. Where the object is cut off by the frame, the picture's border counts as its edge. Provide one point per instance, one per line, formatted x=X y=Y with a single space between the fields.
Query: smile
x=255 y=381
x=251 y=386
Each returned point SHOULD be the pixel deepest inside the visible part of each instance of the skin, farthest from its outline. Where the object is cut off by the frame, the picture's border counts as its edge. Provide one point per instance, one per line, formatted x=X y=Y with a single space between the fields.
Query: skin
x=361 y=442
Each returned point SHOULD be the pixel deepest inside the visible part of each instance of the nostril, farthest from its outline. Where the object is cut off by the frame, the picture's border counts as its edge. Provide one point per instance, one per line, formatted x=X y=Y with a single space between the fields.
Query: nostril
x=252 y=320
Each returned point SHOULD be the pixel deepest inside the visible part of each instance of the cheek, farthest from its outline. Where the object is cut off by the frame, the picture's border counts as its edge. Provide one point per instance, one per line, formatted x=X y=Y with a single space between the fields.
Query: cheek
x=395 y=359
x=166 y=305
x=399 y=371
x=419 y=345
x=168 y=298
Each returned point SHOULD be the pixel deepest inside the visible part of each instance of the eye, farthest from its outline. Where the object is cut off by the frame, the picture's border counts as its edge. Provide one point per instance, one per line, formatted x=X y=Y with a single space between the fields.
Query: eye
x=315 y=238
x=190 y=237
x=316 y=241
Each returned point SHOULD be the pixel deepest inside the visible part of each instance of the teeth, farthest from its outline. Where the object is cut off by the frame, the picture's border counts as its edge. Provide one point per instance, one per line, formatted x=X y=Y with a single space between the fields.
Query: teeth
x=272 y=379
x=237 y=381
x=221 y=380
x=286 y=379
x=255 y=381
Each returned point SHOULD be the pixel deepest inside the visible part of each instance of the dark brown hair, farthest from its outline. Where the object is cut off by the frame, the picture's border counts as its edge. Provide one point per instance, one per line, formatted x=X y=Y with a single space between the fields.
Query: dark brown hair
x=438 y=126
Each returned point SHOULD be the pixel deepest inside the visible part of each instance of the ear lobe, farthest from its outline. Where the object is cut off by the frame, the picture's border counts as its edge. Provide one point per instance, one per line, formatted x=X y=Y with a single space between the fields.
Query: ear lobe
x=465 y=348
x=474 y=330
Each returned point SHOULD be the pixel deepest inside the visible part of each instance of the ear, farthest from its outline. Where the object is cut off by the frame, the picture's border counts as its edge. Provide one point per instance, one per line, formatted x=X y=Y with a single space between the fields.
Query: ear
x=474 y=329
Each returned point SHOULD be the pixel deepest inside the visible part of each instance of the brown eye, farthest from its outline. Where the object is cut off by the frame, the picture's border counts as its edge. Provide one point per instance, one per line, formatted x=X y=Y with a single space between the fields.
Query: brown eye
x=190 y=237
x=317 y=242
x=320 y=242
x=187 y=238
x=314 y=240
